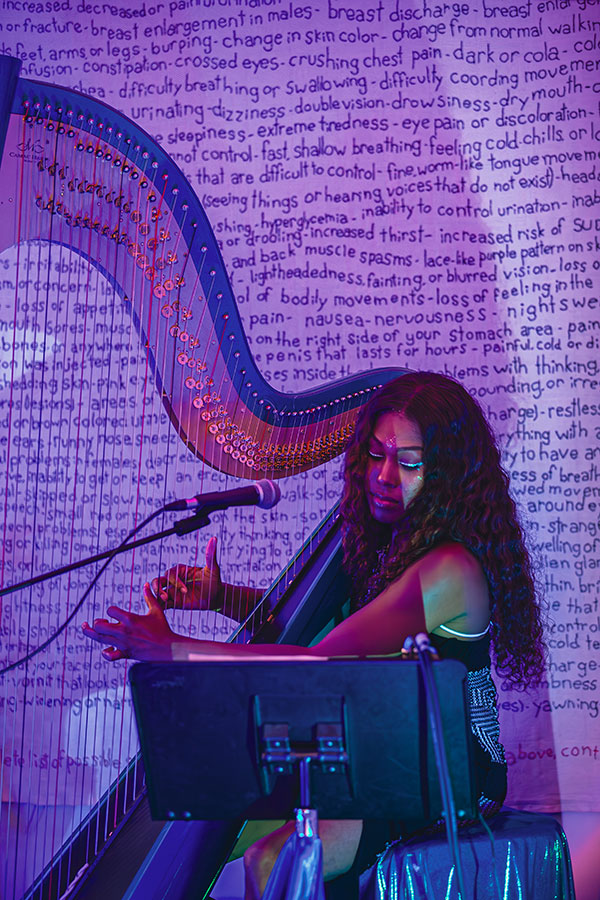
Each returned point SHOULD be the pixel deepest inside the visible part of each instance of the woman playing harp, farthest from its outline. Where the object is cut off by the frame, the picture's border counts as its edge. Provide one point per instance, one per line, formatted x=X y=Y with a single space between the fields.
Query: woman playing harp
x=431 y=544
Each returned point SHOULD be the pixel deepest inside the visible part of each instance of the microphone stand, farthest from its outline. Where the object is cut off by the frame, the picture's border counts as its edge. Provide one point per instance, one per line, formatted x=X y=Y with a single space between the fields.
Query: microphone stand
x=184 y=526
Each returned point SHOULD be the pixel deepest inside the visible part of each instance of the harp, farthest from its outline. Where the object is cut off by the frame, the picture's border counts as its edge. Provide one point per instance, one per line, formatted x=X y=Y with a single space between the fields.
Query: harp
x=127 y=380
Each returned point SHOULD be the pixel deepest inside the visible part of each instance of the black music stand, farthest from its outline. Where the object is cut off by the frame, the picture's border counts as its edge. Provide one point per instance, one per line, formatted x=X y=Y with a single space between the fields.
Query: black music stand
x=248 y=740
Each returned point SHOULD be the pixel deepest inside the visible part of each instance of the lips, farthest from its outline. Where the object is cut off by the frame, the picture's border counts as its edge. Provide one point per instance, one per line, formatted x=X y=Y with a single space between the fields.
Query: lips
x=385 y=501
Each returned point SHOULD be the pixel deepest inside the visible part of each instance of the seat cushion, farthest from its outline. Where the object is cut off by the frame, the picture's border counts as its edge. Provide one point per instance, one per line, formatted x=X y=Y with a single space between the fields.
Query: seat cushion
x=529 y=859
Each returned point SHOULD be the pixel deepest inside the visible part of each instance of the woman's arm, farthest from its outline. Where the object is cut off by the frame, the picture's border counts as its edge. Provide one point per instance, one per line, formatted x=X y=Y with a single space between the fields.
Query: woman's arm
x=150 y=638
x=446 y=585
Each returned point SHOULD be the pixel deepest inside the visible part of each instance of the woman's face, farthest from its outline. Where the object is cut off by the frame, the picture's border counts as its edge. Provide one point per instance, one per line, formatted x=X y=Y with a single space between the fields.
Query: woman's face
x=394 y=473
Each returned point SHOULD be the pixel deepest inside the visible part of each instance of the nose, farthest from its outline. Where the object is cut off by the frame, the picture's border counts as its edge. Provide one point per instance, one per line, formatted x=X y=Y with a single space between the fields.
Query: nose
x=389 y=472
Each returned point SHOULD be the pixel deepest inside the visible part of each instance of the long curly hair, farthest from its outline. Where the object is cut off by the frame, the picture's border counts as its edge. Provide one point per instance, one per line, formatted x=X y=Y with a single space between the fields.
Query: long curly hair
x=464 y=498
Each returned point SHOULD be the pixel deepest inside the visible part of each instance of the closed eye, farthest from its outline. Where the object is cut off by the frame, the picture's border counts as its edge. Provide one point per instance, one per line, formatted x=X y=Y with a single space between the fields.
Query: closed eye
x=406 y=464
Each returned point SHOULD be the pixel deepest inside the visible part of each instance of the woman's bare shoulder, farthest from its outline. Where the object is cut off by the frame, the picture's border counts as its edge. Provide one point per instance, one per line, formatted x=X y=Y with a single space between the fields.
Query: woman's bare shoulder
x=453 y=584
x=453 y=558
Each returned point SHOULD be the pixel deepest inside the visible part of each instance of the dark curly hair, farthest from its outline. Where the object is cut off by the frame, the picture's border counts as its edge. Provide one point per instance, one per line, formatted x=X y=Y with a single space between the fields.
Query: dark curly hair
x=464 y=498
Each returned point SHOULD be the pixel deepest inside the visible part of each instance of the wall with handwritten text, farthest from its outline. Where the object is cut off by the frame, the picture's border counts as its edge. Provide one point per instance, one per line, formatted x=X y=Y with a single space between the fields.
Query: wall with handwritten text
x=392 y=183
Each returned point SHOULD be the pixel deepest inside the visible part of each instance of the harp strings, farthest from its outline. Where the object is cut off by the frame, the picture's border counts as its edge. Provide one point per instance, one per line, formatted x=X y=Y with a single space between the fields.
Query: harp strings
x=40 y=794
x=138 y=314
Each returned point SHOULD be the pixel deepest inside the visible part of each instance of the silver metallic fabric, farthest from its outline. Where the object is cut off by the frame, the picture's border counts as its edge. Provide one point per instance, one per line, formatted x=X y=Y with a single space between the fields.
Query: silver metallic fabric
x=528 y=860
x=298 y=871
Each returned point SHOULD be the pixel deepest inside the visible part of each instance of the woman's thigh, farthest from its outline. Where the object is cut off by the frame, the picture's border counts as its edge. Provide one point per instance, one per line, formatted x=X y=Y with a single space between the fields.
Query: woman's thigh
x=340 y=840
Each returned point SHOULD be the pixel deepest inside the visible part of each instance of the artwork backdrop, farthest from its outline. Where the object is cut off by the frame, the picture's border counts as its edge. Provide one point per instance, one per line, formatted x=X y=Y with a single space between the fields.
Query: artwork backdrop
x=408 y=184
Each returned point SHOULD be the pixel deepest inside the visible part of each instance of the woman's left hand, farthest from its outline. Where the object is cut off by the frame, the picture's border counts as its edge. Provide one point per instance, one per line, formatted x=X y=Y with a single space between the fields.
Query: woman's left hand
x=133 y=636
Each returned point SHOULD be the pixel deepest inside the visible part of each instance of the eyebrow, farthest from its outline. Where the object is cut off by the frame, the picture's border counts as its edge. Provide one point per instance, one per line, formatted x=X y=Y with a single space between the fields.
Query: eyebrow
x=409 y=447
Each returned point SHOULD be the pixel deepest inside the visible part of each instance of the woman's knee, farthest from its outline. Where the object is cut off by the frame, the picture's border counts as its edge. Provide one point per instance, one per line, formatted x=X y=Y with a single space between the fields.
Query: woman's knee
x=340 y=839
x=260 y=858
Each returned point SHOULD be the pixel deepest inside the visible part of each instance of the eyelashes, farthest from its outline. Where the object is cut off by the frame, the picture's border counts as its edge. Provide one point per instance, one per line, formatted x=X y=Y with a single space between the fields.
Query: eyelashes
x=374 y=454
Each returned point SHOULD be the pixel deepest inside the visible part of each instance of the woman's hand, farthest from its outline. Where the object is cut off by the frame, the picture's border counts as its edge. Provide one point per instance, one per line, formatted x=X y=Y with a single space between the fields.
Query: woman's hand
x=191 y=587
x=133 y=636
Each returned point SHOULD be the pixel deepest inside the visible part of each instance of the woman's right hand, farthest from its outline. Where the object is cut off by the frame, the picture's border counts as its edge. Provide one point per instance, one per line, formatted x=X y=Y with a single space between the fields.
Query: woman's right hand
x=192 y=587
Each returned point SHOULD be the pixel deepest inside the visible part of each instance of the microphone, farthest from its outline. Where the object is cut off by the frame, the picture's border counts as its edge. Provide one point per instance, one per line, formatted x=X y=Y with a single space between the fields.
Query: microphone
x=264 y=494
